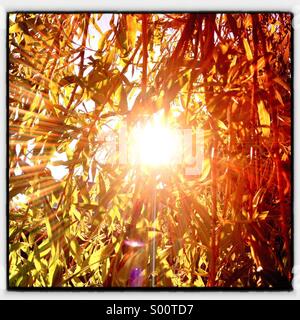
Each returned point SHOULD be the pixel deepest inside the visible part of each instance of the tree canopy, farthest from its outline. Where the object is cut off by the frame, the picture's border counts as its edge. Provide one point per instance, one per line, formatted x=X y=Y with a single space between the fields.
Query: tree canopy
x=78 y=221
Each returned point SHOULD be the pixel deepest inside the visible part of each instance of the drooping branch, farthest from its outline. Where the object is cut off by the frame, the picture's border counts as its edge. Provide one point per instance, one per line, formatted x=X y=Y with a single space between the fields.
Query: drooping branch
x=145 y=53
x=81 y=64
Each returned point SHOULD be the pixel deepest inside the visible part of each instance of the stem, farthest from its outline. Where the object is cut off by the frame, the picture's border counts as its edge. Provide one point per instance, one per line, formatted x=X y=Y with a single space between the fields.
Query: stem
x=153 y=246
x=214 y=246
x=283 y=215
x=145 y=54
x=284 y=225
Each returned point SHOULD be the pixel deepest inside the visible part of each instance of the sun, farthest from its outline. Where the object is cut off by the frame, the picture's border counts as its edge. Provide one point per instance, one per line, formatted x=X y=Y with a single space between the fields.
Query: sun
x=154 y=144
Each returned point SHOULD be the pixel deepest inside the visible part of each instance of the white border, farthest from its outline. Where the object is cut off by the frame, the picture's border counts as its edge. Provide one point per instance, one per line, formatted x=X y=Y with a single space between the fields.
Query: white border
x=154 y=5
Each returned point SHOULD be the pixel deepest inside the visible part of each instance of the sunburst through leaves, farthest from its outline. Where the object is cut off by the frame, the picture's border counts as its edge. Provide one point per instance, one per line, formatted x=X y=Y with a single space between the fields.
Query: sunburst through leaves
x=150 y=150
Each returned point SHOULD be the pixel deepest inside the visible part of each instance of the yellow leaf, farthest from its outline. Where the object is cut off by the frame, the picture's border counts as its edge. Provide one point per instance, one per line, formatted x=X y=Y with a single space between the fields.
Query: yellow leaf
x=100 y=255
x=263 y=215
x=224 y=48
x=15 y=28
x=233 y=61
x=29 y=40
x=75 y=250
x=278 y=97
x=37 y=264
x=282 y=83
x=55 y=274
x=132 y=27
x=205 y=169
x=264 y=118
x=248 y=50
x=248 y=21
x=273 y=29
x=261 y=63
x=222 y=125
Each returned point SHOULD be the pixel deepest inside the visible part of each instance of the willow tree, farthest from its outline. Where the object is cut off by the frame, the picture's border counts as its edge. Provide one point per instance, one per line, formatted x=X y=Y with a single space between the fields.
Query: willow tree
x=78 y=221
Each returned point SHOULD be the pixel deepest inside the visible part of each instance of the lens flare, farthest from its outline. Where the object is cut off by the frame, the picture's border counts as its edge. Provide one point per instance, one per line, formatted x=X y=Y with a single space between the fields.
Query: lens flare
x=154 y=144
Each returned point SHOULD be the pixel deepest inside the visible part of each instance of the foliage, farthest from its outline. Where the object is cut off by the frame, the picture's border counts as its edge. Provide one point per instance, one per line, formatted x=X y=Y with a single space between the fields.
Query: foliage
x=73 y=77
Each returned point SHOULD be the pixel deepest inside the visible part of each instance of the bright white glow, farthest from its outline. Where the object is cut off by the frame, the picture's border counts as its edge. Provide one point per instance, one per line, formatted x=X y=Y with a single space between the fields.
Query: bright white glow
x=18 y=171
x=58 y=172
x=154 y=144
x=19 y=200
x=134 y=244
